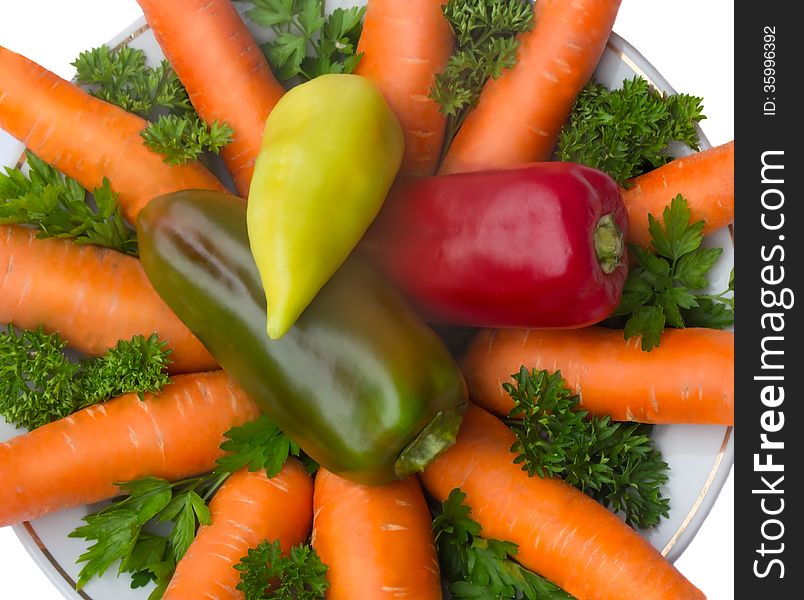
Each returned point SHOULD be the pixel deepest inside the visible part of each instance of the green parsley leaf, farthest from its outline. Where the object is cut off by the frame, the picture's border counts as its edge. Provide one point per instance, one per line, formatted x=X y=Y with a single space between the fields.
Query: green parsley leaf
x=617 y=464
x=626 y=132
x=182 y=139
x=480 y=568
x=661 y=291
x=123 y=78
x=38 y=384
x=258 y=444
x=308 y=43
x=60 y=208
x=266 y=574
x=115 y=529
x=118 y=531
x=486 y=32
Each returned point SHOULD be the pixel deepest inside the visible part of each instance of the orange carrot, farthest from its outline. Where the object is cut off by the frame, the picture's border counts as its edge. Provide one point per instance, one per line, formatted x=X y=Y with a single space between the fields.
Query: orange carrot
x=563 y=534
x=519 y=116
x=92 y=296
x=405 y=45
x=248 y=509
x=225 y=73
x=78 y=460
x=705 y=179
x=87 y=138
x=376 y=541
x=689 y=378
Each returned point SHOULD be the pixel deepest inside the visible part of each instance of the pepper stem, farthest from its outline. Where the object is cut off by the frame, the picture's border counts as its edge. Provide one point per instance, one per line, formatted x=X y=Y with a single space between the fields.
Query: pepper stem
x=608 y=238
x=438 y=435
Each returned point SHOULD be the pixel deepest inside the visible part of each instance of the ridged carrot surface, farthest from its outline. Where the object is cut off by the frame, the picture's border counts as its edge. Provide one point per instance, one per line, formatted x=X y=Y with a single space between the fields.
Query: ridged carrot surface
x=405 y=45
x=376 y=541
x=92 y=296
x=705 y=179
x=248 y=509
x=226 y=74
x=689 y=378
x=87 y=138
x=519 y=116
x=78 y=460
x=562 y=533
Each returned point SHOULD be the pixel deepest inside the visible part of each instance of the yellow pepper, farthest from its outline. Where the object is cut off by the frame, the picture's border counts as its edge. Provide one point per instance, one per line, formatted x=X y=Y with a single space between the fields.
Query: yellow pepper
x=330 y=152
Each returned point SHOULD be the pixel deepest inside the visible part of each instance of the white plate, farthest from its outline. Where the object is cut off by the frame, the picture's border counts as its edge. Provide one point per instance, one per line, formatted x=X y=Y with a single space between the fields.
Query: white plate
x=699 y=456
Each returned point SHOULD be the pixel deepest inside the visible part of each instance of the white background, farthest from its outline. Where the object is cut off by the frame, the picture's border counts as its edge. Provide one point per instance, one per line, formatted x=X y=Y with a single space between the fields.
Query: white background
x=690 y=42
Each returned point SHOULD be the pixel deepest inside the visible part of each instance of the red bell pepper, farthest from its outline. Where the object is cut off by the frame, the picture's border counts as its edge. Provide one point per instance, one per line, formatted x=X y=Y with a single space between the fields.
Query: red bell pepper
x=539 y=245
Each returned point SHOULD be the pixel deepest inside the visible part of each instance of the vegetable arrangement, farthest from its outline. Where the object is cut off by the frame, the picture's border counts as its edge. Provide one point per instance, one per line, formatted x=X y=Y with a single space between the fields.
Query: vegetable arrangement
x=303 y=469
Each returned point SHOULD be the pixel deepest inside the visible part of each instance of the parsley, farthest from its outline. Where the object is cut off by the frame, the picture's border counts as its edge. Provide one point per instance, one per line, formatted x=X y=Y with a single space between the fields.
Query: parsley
x=117 y=531
x=266 y=574
x=123 y=78
x=181 y=139
x=481 y=568
x=617 y=464
x=308 y=43
x=486 y=35
x=662 y=289
x=626 y=132
x=38 y=383
x=60 y=208
x=258 y=444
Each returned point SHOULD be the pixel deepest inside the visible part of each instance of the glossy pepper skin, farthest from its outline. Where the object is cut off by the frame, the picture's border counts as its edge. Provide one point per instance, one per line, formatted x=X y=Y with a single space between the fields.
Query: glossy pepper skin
x=330 y=152
x=534 y=246
x=356 y=380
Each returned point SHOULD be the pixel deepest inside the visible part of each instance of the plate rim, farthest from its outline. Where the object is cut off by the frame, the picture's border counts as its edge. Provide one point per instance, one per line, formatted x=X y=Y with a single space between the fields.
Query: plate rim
x=689 y=526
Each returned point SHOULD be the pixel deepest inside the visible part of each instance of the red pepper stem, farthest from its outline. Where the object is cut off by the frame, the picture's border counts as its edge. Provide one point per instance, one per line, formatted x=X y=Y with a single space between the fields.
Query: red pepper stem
x=438 y=435
x=608 y=238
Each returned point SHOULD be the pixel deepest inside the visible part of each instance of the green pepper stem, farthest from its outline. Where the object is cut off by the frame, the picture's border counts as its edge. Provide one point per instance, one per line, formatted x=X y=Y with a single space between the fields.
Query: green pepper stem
x=438 y=435
x=608 y=238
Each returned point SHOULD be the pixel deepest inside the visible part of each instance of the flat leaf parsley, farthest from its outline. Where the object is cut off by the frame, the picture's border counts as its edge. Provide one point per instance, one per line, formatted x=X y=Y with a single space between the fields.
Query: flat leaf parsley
x=308 y=43
x=664 y=288
x=481 y=568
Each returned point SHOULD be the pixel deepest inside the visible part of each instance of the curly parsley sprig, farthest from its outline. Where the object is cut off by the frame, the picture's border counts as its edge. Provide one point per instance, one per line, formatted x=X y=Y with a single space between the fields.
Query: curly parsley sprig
x=308 y=42
x=664 y=289
x=617 y=464
x=486 y=35
x=266 y=574
x=625 y=132
x=481 y=568
x=60 y=208
x=39 y=384
x=123 y=78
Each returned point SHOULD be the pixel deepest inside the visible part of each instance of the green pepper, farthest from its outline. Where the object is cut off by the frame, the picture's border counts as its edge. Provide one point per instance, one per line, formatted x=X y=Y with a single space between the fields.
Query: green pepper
x=360 y=383
x=330 y=152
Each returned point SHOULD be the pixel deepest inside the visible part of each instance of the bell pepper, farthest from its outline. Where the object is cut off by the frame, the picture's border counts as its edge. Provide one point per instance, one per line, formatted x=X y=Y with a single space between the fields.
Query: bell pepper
x=330 y=152
x=539 y=245
x=360 y=383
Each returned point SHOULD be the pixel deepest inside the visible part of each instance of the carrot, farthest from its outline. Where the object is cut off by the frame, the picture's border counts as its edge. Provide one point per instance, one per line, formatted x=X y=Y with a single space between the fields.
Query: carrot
x=226 y=74
x=689 y=378
x=405 y=45
x=705 y=179
x=376 y=541
x=92 y=296
x=248 y=509
x=519 y=116
x=87 y=138
x=78 y=460
x=563 y=534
